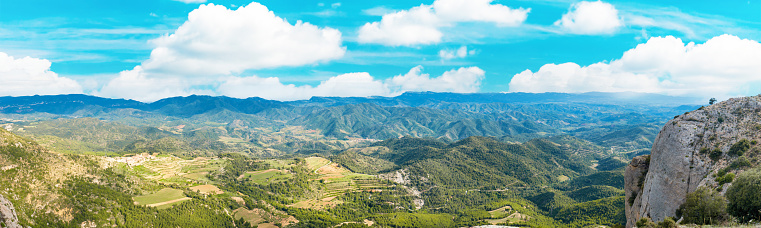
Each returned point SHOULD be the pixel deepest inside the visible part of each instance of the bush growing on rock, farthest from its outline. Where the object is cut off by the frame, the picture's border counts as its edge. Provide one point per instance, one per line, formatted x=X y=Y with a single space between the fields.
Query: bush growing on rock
x=667 y=223
x=715 y=154
x=647 y=223
x=739 y=148
x=743 y=195
x=703 y=206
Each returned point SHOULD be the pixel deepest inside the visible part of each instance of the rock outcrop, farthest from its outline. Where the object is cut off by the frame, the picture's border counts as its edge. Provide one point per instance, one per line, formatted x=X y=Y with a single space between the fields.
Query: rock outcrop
x=8 y=214
x=683 y=157
x=634 y=178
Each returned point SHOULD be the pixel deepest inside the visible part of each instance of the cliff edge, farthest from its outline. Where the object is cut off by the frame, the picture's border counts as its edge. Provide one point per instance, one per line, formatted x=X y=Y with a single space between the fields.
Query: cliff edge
x=688 y=153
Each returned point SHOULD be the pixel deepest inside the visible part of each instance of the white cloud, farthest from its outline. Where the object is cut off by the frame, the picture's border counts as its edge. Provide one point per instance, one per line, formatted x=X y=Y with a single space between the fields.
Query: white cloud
x=463 y=80
x=462 y=52
x=335 y=5
x=355 y=85
x=345 y=85
x=192 y=1
x=136 y=84
x=219 y=41
x=31 y=76
x=723 y=66
x=591 y=18
x=421 y=24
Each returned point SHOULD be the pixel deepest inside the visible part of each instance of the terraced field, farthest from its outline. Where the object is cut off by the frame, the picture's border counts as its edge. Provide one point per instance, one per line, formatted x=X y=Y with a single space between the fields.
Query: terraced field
x=250 y=216
x=506 y=215
x=337 y=181
x=264 y=218
x=207 y=189
x=174 y=170
x=266 y=176
x=162 y=199
x=314 y=163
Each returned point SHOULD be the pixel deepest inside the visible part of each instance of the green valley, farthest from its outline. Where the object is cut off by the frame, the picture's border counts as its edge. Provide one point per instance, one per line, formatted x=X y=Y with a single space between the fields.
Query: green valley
x=403 y=162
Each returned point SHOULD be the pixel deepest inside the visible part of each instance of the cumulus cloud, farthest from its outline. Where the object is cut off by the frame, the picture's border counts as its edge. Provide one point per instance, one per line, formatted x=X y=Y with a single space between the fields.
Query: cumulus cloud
x=421 y=24
x=462 y=52
x=345 y=85
x=136 y=84
x=591 y=18
x=31 y=76
x=219 y=41
x=355 y=85
x=463 y=80
x=723 y=66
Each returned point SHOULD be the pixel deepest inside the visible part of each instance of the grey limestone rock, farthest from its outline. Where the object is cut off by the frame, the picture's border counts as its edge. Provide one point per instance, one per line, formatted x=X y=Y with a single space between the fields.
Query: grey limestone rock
x=679 y=163
x=8 y=214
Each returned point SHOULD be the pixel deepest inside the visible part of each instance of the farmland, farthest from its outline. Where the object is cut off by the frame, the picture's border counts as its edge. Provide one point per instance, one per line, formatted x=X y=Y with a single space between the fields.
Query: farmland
x=162 y=199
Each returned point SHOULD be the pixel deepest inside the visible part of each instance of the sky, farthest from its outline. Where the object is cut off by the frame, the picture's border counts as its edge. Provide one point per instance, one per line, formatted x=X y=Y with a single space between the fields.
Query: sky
x=147 y=50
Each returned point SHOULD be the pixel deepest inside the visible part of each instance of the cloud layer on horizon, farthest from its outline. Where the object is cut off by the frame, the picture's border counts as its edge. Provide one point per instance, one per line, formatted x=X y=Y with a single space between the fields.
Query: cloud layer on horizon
x=361 y=84
x=723 y=66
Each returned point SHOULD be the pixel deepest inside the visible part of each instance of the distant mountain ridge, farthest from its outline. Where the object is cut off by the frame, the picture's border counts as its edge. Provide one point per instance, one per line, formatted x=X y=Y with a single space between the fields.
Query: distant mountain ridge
x=196 y=104
x=623 y=120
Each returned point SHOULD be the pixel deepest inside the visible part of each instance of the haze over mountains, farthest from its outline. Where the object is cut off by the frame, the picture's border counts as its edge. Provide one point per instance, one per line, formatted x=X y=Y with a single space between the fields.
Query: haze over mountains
x=601 y=117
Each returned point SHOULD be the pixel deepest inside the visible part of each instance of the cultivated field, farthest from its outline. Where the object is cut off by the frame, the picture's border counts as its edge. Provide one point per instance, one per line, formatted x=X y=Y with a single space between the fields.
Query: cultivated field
x=336 y=181
x=162 y=199
x=207 y=189
x=266 y=176
x=506 y=215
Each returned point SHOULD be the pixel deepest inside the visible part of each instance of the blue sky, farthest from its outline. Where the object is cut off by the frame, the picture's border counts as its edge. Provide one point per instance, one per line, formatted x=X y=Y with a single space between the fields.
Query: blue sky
x=151 y=49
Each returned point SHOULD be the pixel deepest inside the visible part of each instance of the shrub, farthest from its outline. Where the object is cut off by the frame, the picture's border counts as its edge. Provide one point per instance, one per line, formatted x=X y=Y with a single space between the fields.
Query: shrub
x=739 y=148
x=722 y=172
x=631 y=199
x=703 y=150
x=645 y=222
x=740 y=163
x=715 y=154
x=728 y=178
x=667 y=223
x=703 y=206
x=744 y=197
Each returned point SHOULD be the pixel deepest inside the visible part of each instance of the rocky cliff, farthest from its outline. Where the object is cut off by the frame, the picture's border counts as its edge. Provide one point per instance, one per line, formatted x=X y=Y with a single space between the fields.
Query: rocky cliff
x=8 y=214
x=688 y=153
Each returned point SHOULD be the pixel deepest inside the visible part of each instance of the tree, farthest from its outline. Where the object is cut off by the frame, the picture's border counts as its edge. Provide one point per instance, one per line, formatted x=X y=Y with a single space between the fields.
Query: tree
x=739 y=148
x=712 y=101
x=703 y=206
x=744 y=197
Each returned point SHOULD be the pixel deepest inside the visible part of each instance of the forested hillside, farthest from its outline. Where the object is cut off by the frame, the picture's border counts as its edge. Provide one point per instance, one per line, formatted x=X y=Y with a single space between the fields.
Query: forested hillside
x=417 y=160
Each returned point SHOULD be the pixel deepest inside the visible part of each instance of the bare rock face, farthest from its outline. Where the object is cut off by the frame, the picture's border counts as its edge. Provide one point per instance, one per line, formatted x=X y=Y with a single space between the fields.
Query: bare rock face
x=8 y=214
x=635 y=178
x=680 y=159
